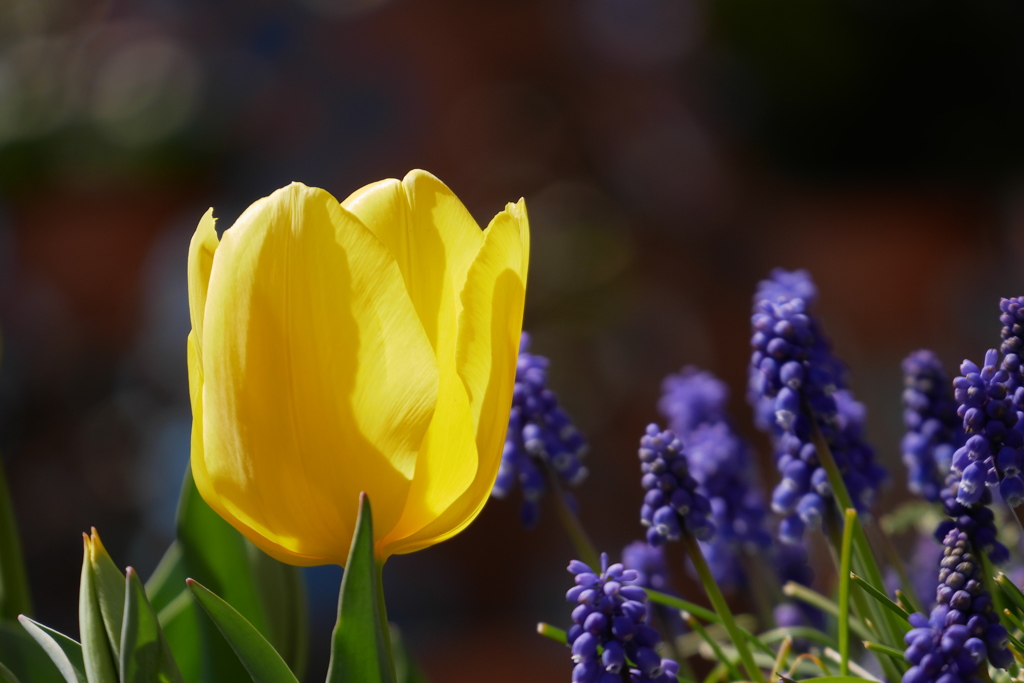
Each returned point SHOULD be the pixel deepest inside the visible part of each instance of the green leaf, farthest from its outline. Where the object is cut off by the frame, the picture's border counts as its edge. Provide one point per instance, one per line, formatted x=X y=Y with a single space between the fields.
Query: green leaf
x=96 y=653
x=14 y=591
x=145 y=655
x=360 y=646
x=258 y=656
x=881 y=598
x=837 y=679
x=214 y=553
x=64 y=652
x=406 y=669
x=179 y=620
x=168 y=579
x=24 y=657
x=7 y=676
x=1011 y=591
x=109 y=583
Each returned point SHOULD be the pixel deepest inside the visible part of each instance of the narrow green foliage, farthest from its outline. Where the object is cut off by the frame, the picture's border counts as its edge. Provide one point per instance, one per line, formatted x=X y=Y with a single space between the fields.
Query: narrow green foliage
x=721 y=607
x=813 y=635
x=360 y=646
x=907 y=603
x=699 y=629
x=14 y=590
x=780 y=659
x=844 y=591
x=109 y=584
x=179 y=620
x=815 y=599
x=257 y=655
x=1011 y=591
x=96 y=651
x=553 y=632
x=145 y=655
x=884 y=649
x=64 y=652
x=880 y=597
x=283 y=596
x=705 y=614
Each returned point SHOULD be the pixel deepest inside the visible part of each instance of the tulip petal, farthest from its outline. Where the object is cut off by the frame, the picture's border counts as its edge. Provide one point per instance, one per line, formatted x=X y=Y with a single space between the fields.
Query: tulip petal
x=433 y=238
x=489 y=328
x=200 y=262
x=318 y=381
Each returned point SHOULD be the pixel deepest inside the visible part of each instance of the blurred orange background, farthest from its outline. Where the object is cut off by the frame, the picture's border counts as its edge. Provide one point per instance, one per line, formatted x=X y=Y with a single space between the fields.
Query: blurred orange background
x=671 y=152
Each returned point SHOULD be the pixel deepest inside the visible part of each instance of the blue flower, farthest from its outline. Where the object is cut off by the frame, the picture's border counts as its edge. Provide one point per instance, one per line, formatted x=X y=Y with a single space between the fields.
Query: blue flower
x=672 y=502
x=540 y=435
x=992 y=454
x=933 y=428
x=610 y=638
x=795 y=378
x=963 y=629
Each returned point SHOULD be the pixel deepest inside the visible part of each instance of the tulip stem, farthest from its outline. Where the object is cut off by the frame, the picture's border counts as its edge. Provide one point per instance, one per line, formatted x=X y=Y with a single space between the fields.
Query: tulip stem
x=571 y=522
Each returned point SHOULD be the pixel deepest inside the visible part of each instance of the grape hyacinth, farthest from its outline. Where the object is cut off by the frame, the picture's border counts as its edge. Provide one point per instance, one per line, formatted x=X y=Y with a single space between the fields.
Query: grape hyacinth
x=992 y=454
x=1011 y=315
x=610 y=638
x=649 y=564
x=933 y=428
x=963 y=630
x=721 y=462
x=795 y=377
x=540 y=434
x=672 y=502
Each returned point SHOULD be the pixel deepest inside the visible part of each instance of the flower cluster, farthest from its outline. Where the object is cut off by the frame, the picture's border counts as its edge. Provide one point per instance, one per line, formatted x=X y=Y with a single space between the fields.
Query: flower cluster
x=610 y=638
x=672 y=502
x=649 y=563
x=794 y=379
x=952 y=644
x=1011 y=315
x=992 y=454
x=933 y=429
x=540 y=434
x=721 y=462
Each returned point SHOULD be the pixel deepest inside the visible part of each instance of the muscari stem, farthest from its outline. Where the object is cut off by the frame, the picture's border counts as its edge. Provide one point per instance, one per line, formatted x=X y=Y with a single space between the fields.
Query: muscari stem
x=721 y=607
x=585 y=548
x=841 y=495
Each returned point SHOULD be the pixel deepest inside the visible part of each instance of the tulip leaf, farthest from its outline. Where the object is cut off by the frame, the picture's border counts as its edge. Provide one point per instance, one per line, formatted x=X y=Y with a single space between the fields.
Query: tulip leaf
x=145 y=654
x=24 y=657
x=109 y=584
x=179 y=620
x=168 y=579
x=64 y=652
x=272 y=600
x=7 y=676
x=14 y=591
x=96 y=653
x=258 y=656
x=360 y=645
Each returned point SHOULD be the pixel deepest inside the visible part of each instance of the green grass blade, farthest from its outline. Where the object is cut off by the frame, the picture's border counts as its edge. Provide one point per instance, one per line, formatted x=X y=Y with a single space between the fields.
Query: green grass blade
x=880 y=597
x=844 y=592
x=257 y=655
x=699 y=629
x=815 y=599
x=705 y=614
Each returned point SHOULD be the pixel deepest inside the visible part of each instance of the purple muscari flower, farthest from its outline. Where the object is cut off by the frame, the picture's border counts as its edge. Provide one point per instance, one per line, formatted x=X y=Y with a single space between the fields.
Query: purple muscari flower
x=992 y=454
x=963 y=629
x=694 y=403
x=977 y=521
x=610 y=638
x=933 y=428
x=540 y=435
x=672 y=502
x=1012 y=318
x=649 y=564
x=692 y=398
x=795 y=377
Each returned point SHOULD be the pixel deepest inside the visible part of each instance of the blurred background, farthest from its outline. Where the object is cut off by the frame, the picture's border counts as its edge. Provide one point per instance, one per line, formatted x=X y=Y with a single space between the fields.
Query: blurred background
x=671 y=153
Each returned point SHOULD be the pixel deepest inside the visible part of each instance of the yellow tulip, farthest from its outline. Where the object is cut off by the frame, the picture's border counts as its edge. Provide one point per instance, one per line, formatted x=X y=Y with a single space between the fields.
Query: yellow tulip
x=367 y=345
